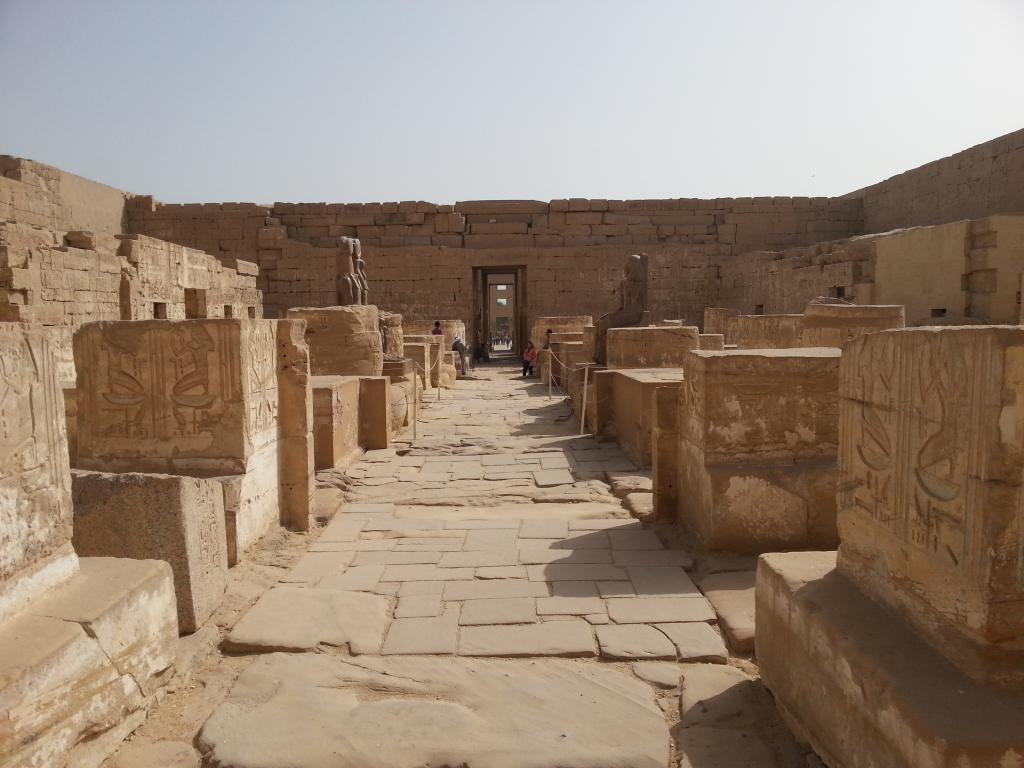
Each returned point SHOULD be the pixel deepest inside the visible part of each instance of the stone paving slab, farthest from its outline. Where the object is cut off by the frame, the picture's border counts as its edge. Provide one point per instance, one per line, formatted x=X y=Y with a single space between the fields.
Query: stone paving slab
x=317 y=710
x=502 y=610
x=300 y=619
x=553 y=638
x=634 y=641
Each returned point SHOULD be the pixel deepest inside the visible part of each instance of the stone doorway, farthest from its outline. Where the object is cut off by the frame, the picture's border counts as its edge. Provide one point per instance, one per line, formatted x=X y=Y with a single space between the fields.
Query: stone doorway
x=498 y=301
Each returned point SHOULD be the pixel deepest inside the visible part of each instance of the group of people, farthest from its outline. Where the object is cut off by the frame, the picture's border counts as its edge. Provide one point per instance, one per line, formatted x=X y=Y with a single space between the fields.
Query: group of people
x=458 y=345
x=529 y=351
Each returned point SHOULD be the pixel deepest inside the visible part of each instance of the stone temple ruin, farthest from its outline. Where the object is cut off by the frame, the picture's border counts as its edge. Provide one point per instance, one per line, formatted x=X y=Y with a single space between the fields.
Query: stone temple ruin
x=258 y=508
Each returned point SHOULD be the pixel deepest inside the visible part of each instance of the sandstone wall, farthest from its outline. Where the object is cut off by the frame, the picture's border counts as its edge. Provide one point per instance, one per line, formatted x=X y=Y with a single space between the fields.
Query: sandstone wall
x=420 y=256
x=985 y=179
x=44 y=196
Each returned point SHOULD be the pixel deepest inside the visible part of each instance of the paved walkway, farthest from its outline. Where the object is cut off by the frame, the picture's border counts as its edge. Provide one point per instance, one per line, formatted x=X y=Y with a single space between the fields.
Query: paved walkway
x=481 y=597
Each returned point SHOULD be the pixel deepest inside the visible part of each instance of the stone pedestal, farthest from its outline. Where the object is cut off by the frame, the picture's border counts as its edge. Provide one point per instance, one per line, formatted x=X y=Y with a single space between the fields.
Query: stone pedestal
x=910 y=651
x=435 y=350
x=650 y=346
x=335 y=420
x=764 y=331
x=202 y=398
x=391 y=333
x=374 y=412
x=830 y=325
x=758 y=444
x=557 y=325
x=343 y=341
x=84 y=643
x=712 y=341
x=853 y=679
x=420 y=356
x=932 y=487
x=402 y=374
x=665 y=451
x=158 y=517
x=716 y=320
x=629 y=409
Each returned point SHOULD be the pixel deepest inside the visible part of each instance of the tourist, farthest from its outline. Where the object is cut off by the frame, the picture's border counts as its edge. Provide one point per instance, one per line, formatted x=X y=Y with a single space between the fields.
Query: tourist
x=547 y=338
x=437 y=329
x=529 y=357
x=460 y=346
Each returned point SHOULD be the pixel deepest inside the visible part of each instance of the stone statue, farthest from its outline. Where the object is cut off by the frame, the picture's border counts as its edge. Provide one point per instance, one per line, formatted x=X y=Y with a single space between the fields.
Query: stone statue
x=632 y=304
x=352 y=286
x=360 y=275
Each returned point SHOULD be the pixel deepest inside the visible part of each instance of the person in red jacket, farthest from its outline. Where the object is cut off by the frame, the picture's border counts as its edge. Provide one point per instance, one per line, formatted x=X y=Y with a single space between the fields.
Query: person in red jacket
x=529 y=358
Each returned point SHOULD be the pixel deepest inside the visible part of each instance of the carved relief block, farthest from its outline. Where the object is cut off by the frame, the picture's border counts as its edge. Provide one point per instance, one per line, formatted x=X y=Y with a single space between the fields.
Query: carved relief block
x=651 y=346
x=757 y=449
x=193 y=396
x=35 y=481
x=343 y=341
x=830 y=325
x=931 y=463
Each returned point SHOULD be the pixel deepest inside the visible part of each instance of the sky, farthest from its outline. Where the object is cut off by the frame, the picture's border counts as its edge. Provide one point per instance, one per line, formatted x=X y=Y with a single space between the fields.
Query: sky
x=307 y=101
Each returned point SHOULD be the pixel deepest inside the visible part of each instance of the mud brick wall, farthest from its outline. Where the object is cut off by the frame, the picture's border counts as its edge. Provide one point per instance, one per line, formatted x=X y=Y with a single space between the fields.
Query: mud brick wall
x=985 y=179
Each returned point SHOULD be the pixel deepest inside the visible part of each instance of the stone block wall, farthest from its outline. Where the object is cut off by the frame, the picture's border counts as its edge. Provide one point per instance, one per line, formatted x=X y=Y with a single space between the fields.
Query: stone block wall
x=985 y=179
x=44 y=196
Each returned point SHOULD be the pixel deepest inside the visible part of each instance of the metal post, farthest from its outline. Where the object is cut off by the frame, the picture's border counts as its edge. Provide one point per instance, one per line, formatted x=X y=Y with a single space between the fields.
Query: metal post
x=583 y=410
x=415 y=401
x=551 y=359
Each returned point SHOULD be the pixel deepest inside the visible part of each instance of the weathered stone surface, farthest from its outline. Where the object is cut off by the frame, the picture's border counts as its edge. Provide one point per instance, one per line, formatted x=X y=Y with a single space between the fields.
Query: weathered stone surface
x=634 y=641
x=436 y=635
x=659 y=673
x=857 y=681
x=197 y=397
x=758 y=447
x=335 y=420
x=311 y=710
x=932 y=487
x=831 y=325
x=650 y=346
x=573 y=637
x=35 y=484
x=696 y=641
x=343 y=341
x=155 y=754
x=503 y=610
x=161 y=517
x=302 y=619
x=659 y=610
x=80 y=664
x=731 y=594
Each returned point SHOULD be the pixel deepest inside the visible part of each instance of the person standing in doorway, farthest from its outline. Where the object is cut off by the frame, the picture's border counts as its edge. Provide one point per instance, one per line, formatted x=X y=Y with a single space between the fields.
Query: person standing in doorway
x=529 y=358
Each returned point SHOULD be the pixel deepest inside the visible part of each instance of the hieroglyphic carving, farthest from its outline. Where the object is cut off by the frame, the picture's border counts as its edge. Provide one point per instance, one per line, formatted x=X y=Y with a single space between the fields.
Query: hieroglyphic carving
x=262 y=385
x=160 y=389
x=929 y=454
x=35 y=504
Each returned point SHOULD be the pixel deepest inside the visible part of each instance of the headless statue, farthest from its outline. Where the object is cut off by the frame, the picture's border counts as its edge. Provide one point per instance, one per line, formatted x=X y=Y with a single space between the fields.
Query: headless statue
x=349 y=289
x=359 y=274
x=632 y=305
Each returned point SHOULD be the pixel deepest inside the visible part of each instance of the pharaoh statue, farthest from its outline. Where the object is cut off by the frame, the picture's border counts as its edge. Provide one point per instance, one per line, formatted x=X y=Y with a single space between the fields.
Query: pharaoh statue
x=359 y=274
x=632 y=304
x=352 y=286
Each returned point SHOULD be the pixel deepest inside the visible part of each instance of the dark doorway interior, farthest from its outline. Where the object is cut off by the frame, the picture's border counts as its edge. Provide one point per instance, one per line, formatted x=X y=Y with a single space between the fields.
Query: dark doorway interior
x=498 y=299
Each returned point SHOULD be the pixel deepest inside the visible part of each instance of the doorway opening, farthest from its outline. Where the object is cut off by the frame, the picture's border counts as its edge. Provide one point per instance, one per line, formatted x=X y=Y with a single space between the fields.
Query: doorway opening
x=498 y=302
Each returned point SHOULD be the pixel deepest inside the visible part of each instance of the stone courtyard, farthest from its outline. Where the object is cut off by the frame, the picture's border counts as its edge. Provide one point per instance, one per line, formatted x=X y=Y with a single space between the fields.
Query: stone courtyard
x=587 y=483
x=478 y=581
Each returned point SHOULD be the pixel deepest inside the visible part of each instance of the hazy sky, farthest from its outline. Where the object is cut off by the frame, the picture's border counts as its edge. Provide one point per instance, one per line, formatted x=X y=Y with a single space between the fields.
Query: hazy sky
x=214 y=100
